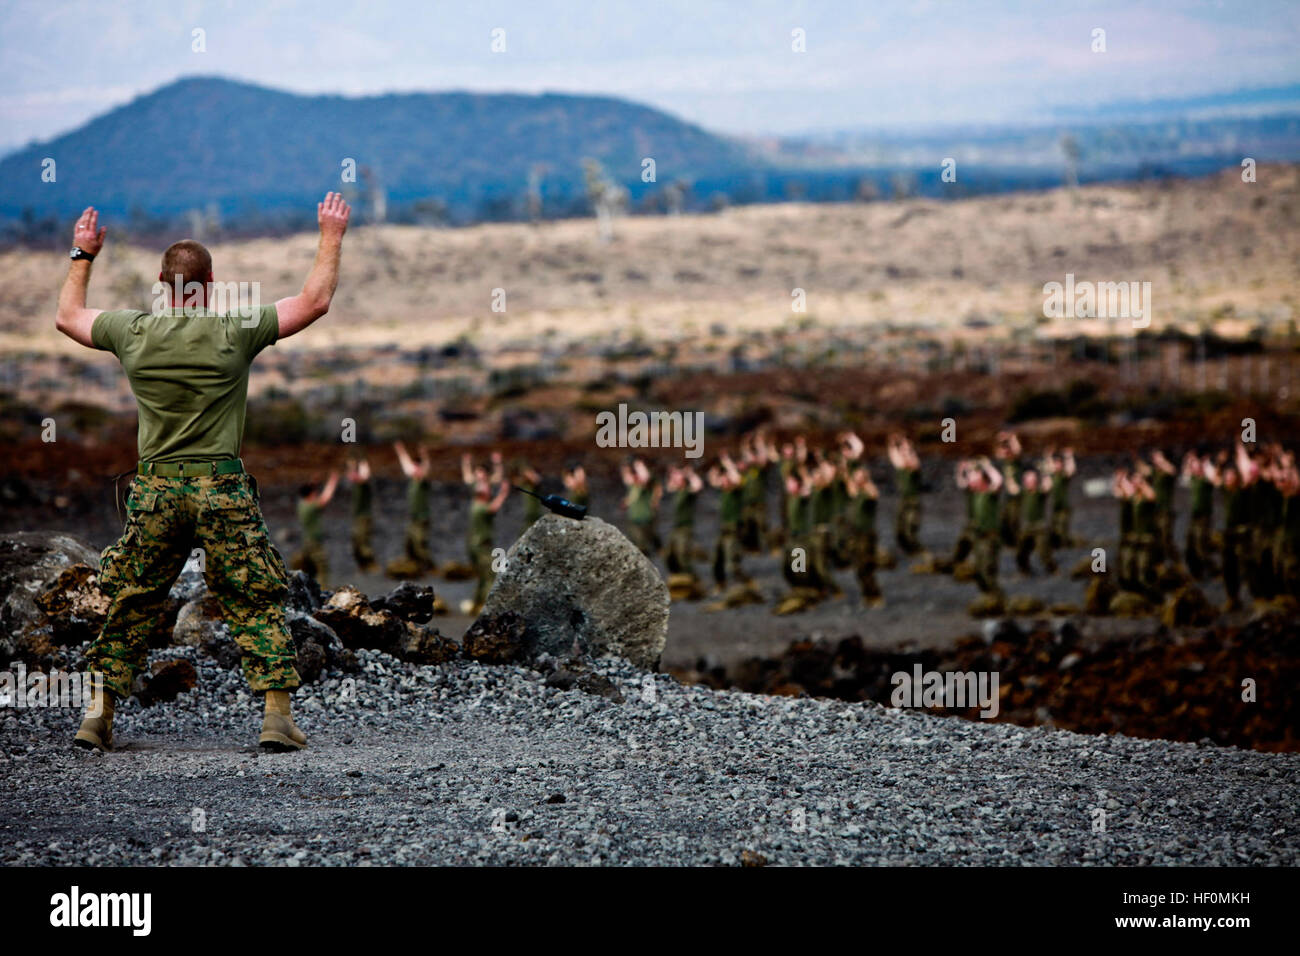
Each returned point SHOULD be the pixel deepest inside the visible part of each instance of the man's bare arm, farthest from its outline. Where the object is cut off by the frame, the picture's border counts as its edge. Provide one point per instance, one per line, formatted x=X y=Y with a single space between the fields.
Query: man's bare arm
x=404 y=459
x=297 y=312
x=73 y=318
x=328 y=494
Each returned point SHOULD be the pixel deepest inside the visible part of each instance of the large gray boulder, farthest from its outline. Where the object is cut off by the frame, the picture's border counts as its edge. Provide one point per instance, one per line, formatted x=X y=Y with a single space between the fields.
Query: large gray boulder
x=580 y=583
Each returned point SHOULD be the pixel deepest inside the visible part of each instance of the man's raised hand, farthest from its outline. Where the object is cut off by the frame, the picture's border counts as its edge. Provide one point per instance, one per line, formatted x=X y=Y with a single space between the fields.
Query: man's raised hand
x=299 y=311
x=332 y=214
x=88 y=235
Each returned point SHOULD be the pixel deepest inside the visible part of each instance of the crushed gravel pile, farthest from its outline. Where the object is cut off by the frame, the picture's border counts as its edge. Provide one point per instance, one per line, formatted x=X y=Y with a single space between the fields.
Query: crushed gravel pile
x=463 y=764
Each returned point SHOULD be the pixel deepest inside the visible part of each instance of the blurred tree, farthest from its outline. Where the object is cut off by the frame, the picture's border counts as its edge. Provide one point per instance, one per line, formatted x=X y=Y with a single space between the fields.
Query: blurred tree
x=1070 y=149
x=606 y=197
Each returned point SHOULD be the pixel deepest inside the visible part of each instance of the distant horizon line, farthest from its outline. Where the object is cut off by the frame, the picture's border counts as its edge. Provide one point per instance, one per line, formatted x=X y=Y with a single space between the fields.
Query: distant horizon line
x=1238 y=102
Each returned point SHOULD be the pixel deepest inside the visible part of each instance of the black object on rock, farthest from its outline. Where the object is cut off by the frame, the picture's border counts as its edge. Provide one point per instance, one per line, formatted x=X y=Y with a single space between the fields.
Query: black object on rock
x=557 y=505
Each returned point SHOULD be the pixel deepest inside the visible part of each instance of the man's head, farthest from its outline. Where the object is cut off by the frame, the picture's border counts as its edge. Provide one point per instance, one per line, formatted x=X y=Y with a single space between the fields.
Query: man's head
x=192 y=262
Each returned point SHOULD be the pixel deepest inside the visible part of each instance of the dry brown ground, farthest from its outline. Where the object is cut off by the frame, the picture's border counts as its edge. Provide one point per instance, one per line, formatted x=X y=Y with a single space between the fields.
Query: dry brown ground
x=1216 y=247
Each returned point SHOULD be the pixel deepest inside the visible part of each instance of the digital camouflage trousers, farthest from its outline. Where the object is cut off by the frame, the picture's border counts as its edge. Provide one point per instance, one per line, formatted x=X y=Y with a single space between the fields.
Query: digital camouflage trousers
x=167 y=518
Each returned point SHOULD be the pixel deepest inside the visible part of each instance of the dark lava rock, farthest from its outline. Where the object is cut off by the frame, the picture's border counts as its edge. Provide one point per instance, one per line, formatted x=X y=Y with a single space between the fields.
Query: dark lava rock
x=167 y=682
x=304 y=593
x=357 y=624
x=495 y=639
x=410 y=601
x=425 y=644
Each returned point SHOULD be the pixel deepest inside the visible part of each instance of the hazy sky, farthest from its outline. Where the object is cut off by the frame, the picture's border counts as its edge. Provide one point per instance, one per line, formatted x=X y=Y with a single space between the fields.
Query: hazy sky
x=726 y=65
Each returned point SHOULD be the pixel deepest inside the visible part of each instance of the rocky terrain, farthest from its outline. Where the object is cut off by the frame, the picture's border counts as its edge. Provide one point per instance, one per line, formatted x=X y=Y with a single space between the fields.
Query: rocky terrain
x=500 y=750
x=471 y=763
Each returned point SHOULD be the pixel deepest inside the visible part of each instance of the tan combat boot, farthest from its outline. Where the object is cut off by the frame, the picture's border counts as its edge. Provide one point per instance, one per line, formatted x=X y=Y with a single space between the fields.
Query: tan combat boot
x=96 y=732
x=278 y=731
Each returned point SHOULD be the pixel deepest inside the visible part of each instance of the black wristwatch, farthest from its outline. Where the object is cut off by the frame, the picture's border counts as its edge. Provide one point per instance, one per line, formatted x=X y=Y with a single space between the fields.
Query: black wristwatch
x=80 y=253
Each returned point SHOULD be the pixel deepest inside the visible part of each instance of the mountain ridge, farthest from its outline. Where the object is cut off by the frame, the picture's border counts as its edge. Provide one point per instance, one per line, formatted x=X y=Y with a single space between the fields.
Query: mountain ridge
x=273 y=149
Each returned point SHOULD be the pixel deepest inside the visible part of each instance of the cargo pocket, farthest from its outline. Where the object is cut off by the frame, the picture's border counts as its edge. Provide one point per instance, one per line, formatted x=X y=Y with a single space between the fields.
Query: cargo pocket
x=240 y=549
x=112 y=561
x=267 y=563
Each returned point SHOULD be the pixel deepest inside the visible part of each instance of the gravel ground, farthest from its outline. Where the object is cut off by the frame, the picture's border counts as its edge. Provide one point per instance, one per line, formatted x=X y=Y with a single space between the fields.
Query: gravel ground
x=468 y=764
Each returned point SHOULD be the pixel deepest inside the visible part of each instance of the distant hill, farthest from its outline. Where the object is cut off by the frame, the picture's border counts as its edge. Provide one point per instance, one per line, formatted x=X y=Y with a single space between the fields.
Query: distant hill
x=242 y=150
x=225 y=157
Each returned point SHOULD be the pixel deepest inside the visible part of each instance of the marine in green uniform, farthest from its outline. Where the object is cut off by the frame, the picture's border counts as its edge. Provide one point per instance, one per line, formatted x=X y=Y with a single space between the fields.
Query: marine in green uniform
x=1062 y=468
x=984 y=484
x=726 y=551
x=1260 y=506
x=966 y=537
x=642 y=504
x=416 y=560
x=1236 y=535
x=863 y=500
x=1200 y=528
x=820 y=556
x=1145 y=538
x=798 y=519
x=907 y=470
x=1266 y=518
x=1007 y=451
x=1164 y=478
x=312 y=559
x=575 y=485
x=363 y=553
x=1034 y=536
x=753 y=505
x=188 y=369
x=529 y=480
x=684 y=485
x=478 y=540
x=786 y=469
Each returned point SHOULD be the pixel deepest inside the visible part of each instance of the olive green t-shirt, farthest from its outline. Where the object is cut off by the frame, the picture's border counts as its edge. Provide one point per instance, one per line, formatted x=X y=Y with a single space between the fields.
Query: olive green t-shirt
x=823 y=502
x=1060 y=493
x=640 y=510
x=417 y=500
x=480 y=525
x=1035 y=506
x=189 y=374
x=361 y=506
x=909 y=482
x=1144 y=515
x=797 y=515
x=986 y=511
x=729 y=509
x=1202 y=498
x=309 y=518
x=1164 y=488
x=863 y=513
x=684 y=508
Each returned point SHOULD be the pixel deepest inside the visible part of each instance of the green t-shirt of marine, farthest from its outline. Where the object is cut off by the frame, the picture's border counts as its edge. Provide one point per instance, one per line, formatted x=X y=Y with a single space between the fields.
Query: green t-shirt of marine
x=189 y=374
